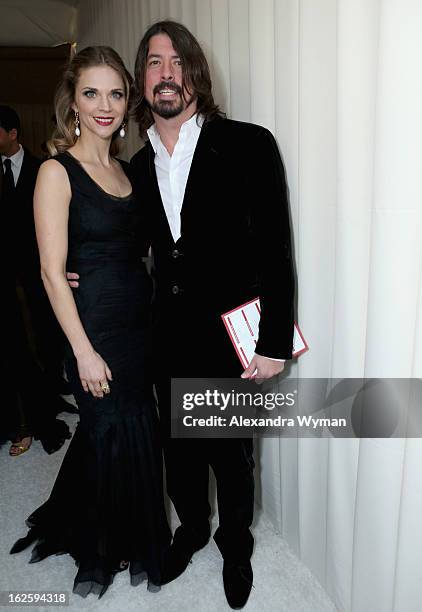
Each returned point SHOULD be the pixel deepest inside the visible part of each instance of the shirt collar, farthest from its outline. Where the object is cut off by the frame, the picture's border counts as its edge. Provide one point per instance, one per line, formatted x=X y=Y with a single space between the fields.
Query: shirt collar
x=191 y=127
x=16 y=159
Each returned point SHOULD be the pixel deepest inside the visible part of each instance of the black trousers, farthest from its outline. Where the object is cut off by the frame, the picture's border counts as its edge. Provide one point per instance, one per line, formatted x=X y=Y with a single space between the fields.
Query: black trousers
x=32 y=406
x=187 y=464
x=187 y=461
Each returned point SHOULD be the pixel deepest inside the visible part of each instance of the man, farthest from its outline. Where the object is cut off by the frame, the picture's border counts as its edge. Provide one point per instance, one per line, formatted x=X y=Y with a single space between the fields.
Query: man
x=216 y=201
x=19 y=169
x=30 y=386
x=18 y=174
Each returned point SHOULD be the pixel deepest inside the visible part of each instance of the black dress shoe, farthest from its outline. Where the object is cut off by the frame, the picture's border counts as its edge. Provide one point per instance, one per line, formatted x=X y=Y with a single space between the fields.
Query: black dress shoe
x=179 y=555
x=237 y=579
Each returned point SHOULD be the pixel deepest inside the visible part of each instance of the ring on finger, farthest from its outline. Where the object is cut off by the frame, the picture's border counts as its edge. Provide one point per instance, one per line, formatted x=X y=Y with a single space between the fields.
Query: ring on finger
x=105 y=387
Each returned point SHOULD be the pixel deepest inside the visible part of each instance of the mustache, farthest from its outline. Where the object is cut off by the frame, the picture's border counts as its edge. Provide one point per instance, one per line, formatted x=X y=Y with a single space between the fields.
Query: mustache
x=168 y=85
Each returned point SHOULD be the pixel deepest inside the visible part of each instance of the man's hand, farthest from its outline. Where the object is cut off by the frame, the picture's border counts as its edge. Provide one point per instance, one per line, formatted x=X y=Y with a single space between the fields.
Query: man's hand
x=265 y=368
x=72 y=278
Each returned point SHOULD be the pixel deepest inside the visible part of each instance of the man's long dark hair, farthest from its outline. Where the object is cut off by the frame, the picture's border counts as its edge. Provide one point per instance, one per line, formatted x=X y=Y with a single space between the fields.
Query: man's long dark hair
x=196 y=73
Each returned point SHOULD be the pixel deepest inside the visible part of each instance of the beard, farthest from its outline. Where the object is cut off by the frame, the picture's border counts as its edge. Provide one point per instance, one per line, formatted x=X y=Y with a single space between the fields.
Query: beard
x=167 y=109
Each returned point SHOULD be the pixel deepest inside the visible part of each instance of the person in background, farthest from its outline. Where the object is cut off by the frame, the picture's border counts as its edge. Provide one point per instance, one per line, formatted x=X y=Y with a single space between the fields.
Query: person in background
x=32 y=405
x=37 y=335
x=20 y=169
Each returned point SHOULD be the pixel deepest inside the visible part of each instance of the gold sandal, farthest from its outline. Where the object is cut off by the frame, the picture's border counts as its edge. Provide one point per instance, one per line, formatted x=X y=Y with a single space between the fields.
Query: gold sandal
x=20 y=448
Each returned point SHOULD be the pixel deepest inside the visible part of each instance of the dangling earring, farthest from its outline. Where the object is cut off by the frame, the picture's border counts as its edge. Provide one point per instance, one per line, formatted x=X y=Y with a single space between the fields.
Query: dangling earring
x=77 y=129
x=122 y=132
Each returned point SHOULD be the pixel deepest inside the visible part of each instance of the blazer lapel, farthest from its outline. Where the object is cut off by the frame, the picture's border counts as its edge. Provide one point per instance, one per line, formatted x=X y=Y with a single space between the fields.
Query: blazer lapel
x=199 y=174
x=202 y=162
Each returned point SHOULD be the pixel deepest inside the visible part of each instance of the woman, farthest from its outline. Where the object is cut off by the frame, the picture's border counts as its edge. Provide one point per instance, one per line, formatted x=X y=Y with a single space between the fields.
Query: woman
x=106 y=507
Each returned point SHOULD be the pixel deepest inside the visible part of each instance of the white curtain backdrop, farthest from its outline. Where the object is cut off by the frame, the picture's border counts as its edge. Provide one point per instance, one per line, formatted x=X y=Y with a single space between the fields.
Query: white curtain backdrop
x=339 y=84
x=40 y=23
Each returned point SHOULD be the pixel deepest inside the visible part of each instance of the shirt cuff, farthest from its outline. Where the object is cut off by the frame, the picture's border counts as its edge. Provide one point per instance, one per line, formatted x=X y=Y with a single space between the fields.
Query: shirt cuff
x=273 y=358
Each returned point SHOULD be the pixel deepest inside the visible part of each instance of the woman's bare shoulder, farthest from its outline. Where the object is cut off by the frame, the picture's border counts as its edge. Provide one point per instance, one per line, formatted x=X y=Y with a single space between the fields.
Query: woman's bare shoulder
x=51 y=168
x=53 y=180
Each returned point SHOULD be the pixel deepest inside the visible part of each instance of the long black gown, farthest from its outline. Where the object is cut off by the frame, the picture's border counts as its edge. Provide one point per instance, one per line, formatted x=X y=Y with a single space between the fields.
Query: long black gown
x=107 y=501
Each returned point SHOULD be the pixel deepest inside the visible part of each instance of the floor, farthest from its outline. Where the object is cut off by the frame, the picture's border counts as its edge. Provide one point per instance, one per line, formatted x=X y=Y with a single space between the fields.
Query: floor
x=281 y=582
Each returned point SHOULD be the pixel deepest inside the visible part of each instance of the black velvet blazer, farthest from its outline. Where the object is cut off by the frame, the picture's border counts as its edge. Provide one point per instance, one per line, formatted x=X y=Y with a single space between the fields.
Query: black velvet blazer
x=235 y=238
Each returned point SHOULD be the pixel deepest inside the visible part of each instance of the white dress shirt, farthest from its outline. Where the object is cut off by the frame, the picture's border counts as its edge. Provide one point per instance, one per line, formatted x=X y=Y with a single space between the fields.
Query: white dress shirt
x=16 y=164
x=173 y=170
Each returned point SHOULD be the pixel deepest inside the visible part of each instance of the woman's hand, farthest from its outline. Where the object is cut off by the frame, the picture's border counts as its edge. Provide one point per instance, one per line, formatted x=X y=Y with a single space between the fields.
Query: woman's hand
x=94 y=373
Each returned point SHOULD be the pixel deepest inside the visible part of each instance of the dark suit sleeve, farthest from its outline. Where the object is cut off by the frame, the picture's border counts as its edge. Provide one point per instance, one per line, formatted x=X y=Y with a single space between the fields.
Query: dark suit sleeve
x=25 y=244
x=271 y=232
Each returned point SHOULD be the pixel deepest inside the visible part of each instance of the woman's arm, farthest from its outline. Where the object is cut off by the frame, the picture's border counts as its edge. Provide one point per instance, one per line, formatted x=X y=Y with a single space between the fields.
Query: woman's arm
x=51 y=210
